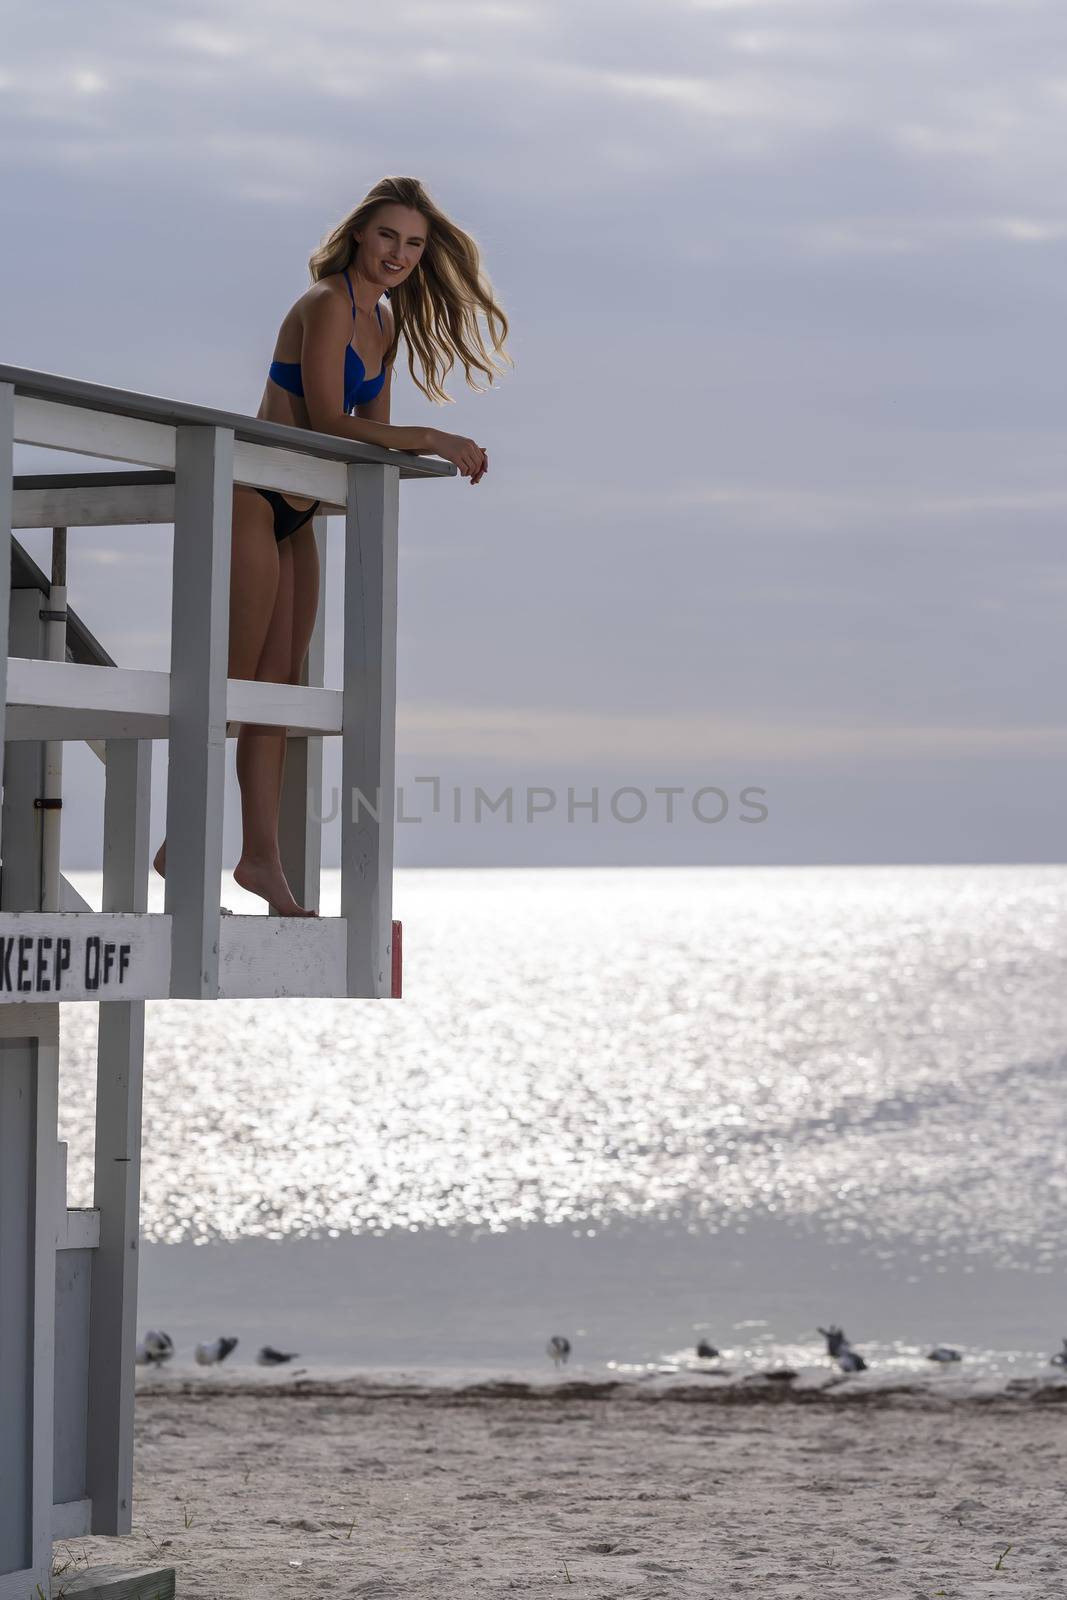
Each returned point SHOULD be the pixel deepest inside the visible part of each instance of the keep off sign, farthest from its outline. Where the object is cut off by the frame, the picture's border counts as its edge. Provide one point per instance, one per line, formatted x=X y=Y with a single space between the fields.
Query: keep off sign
x=89 y=957
x=39 y=964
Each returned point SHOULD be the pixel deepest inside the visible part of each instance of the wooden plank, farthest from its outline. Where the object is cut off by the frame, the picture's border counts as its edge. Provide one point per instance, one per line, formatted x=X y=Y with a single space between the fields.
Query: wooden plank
x=151 y=500
x=151 y=444
x=20 y=881
x=29 y=1073
x=117 y=1173
x=304 y=710
x=299 y=835
x=73 y=1276
x=122 y=957
x=54 y=648
x=74 y=392
x=93 y=433
x=85 y=504
x=43 y=1313
x=197 y=766
x=120 y=1583
x=282 y=957
x=67 y=685
x=113 y=1316
x=70 y=1520
x=16 y=1289
x=7 y=467
x=29 y=722
x=81 y=1230
x=99 y=956
x=62 y=699
x=61 y=1189
x=270 y=468
x=368 y=778
x=127 y=796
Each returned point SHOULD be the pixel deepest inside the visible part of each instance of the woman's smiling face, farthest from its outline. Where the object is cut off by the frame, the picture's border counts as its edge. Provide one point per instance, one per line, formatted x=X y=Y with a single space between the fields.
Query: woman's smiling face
x=391 y=244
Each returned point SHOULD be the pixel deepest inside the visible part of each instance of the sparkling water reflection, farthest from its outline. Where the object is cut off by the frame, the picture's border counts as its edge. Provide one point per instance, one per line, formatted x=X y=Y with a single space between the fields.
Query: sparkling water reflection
x=879 y=1050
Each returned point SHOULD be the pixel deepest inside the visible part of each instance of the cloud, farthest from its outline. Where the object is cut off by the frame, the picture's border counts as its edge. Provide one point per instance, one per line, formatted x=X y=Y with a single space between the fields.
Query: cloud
x=781 y=463
x=525 y=734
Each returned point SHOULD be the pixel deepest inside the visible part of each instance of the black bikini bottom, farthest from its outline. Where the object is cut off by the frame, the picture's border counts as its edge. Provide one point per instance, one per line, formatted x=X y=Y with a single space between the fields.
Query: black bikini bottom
x=286 y=517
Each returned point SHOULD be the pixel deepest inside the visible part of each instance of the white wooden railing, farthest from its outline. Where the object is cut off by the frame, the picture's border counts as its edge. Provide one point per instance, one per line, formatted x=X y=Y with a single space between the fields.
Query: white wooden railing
x=193 y=456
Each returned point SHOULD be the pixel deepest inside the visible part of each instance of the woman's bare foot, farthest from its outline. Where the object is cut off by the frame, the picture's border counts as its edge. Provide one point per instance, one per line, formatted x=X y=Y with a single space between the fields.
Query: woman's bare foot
x=267 y=879
x=159 y=861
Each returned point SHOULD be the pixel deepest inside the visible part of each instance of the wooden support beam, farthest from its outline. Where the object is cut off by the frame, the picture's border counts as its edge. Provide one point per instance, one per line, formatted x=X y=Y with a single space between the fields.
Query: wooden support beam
x=199 y=641
x=59 y=426
x=141 y=499
x=116 y=957
x=152 y=444
x=368 y=777
x=7 y=467
x=120 y=1583
x=299 y=833
x=29 y=1081
x=33 y=389
x=99 y=499
x=65 y=700
x=267 y=468
x=24 y=773
x=117 y=1179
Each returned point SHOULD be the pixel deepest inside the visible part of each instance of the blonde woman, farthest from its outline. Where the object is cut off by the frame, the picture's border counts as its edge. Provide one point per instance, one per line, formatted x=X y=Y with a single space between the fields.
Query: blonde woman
x=332 y=372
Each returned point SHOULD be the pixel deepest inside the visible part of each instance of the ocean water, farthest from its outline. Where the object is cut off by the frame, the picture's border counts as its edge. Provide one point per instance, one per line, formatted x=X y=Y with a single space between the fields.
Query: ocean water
x=634 y=1106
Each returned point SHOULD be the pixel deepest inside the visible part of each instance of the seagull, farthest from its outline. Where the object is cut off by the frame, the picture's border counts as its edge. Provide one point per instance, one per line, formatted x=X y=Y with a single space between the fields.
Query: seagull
x=706 y=1351
x=269 y=1357
x=208 y=1353
x=944 y=1352
x=559 y=1348
x=839 y=1349
x=154 y=1349
x=1060 y=1358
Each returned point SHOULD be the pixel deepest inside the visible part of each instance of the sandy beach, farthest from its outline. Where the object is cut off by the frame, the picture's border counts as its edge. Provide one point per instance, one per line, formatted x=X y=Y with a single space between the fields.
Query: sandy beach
x=293 y=1486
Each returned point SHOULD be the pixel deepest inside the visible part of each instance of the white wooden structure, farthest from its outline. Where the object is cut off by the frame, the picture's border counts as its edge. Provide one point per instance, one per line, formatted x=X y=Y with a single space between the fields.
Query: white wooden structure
x=68 y=1279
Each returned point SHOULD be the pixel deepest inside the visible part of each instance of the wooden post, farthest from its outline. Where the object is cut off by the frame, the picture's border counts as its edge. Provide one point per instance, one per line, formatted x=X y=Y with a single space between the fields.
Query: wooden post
x=299 y=837
x=203 y=504
x=24 y=774
x=29 y=1078
x=7 y=468
x=53 y=648
x=29 y=1085
x=368 y=777
x=117 y=1183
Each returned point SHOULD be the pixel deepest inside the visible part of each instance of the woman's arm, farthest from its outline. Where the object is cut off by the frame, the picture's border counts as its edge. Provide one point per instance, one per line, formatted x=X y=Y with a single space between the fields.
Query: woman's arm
x=463 y=453
x=327 y=329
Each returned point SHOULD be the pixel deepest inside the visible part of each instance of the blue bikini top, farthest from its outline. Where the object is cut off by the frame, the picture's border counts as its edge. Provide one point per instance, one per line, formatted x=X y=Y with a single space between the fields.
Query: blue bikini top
x=358 y=387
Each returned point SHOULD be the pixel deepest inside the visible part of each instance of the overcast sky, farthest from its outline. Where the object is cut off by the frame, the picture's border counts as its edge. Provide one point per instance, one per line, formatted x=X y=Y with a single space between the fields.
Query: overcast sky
x=778 y=486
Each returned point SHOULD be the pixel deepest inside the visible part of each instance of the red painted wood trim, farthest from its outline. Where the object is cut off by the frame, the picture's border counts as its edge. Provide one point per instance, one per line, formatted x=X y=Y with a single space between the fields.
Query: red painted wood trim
x=397 y=989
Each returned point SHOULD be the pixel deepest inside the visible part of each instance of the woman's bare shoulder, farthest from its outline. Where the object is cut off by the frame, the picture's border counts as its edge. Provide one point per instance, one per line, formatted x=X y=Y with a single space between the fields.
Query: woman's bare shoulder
x=324 y=303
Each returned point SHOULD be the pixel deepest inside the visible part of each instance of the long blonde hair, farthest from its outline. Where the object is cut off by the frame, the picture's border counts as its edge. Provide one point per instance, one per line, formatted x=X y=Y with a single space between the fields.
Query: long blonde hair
x=436 y=308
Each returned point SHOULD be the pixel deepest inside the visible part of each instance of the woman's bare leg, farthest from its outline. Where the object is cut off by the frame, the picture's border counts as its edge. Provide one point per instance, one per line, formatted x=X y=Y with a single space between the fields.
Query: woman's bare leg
x=305 y=596
x=261 y=761
x=305 y=604
x=253 y=591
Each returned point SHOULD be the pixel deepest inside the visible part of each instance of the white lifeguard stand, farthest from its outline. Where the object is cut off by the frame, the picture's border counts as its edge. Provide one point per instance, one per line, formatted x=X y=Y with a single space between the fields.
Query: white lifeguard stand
x=68 y=1278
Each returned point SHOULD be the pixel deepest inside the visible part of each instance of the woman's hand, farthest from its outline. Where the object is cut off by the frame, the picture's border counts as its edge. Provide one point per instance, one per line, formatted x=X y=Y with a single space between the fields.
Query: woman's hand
x=469 y=457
